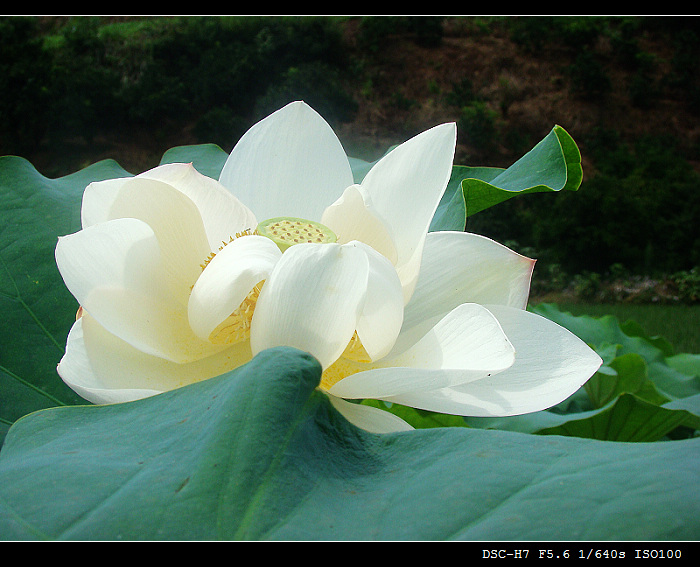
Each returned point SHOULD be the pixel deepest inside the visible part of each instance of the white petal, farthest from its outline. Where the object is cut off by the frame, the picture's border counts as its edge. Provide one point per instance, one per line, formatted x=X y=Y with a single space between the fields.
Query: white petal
x=104 y=369
x=382 y=312
x=115 y=271
x=551 y=364
x=223 y=214
x=369 y=418
x=466 y=345
x=228 y=279
x=458 y=268
x=289 y=164
x=312 y=300
x=98 y=198
x=173 y=217
x=352 y=217
x=406 y=186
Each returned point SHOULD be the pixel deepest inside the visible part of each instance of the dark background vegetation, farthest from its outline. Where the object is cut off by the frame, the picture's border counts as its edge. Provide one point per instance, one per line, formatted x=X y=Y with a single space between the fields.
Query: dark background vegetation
x=75 y=90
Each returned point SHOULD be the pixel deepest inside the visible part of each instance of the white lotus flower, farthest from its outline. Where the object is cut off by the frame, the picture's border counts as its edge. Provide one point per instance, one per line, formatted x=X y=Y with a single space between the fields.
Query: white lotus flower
x=181 y=278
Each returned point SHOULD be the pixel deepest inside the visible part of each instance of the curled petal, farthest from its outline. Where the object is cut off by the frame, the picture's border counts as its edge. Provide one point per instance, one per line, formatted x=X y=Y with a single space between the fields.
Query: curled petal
x=369 y=418
x=405 y=187
x=382 y=311
x=173 y=217
x=228 y=279
x=103 y=369
x=551 y=364
x=466 y=345
x=352 y=217
x=288 y=164
x=224 y=216
x=222 y=213
x=459 y=267
x=116 y=272
x=98 y=198
x=312 y=300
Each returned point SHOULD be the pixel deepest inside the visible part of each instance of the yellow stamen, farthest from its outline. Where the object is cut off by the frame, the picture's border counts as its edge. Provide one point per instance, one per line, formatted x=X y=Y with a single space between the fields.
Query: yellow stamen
x=341 y=368
x=209 y=258
x=351 y=361
x=236 y=327
x=356 y=351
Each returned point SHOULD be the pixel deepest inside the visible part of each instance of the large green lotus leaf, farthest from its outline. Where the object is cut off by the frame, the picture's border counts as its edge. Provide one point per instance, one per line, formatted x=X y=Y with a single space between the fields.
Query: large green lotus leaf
x=260 y=453
x=554 y=164
x=451 y=213
x=628 y=418
x=37 y=308
x=208 y=159
x=685 y=362
x=630 y=376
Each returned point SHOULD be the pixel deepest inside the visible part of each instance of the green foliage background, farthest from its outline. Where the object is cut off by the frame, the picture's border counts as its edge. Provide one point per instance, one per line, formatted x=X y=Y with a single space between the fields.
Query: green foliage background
x=78 y=76
x=67 y=78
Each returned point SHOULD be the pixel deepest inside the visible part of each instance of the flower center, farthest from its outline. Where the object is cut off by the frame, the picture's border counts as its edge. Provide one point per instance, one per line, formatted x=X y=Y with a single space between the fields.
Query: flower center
x=236 y=327
x=287 y=231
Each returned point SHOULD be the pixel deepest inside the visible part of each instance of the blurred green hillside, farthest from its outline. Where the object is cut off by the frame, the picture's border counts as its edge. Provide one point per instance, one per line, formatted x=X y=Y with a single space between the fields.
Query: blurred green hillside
x=74 y=90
